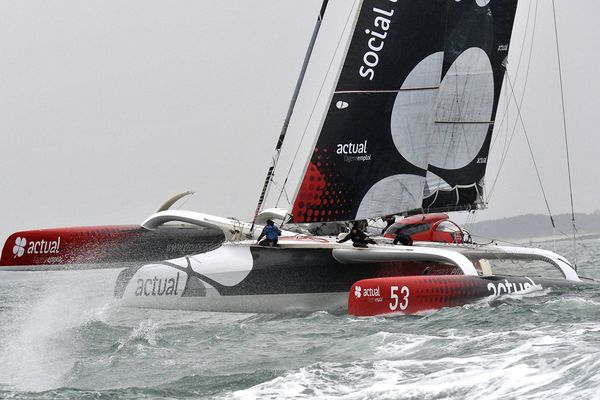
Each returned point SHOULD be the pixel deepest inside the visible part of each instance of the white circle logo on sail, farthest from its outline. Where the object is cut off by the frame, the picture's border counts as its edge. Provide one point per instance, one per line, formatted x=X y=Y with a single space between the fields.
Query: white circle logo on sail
x=413 y=115
x=19 y=247
x=463 y=112
x=445 y=123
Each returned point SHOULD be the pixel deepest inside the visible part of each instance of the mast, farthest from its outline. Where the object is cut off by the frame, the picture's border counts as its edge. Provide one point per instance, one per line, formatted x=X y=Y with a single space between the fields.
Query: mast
x=286 y=122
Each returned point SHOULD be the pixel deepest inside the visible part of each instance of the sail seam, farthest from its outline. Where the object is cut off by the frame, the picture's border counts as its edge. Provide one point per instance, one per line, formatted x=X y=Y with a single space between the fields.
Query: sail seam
x=466 y=122
x=387 y=91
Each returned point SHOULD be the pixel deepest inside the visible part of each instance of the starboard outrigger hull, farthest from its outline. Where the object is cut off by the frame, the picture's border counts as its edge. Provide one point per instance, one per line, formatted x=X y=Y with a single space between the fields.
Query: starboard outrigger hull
x=412 y=294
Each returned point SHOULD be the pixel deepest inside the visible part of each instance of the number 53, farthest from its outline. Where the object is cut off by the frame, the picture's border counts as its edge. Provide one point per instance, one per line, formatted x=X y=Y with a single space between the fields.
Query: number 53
x=396 y=301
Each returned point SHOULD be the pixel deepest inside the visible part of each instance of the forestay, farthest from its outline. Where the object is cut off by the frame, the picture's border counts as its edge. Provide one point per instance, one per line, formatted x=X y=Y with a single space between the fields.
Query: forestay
x=410 y=122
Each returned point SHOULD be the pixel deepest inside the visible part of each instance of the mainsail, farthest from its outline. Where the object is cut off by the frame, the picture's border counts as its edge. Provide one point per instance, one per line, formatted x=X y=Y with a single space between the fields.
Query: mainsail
x=410 y=122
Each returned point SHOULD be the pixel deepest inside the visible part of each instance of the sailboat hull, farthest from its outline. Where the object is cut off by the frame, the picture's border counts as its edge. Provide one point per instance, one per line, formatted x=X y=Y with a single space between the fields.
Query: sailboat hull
x=241 y=278
x=271 y=303
x=310 y=277
x=412 y=294
x=93 y=247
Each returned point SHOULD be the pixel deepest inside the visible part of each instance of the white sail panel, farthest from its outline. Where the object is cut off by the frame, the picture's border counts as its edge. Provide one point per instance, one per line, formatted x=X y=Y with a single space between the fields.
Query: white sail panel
x=464 y=110
x=412 y=121
x=388 y=194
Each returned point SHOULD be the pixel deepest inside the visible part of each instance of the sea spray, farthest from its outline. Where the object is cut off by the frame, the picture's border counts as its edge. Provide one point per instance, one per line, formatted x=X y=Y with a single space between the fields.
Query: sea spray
x=38 y=345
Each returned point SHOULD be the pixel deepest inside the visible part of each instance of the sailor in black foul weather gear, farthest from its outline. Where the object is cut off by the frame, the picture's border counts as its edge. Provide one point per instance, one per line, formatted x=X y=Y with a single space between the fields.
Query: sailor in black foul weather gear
x=272 y=234
x=358 y=237
x=403 y=239
x=389 y=221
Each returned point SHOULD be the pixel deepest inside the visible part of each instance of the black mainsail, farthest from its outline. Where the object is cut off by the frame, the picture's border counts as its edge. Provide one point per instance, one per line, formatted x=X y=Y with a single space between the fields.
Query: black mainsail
x=410 y=122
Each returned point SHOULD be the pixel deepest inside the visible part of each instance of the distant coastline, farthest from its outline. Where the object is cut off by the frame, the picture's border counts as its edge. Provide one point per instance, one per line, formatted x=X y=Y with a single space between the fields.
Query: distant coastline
x=537 y=226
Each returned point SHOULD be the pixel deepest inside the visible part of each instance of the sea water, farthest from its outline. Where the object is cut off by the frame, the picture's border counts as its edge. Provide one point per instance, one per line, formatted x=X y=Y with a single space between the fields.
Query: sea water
x=62 y=335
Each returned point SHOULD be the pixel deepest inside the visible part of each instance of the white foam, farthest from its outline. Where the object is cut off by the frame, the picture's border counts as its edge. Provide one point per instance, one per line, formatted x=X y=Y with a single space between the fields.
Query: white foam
x=574 y=300
x=146 y=331
x=490 y=376
x=527 y=363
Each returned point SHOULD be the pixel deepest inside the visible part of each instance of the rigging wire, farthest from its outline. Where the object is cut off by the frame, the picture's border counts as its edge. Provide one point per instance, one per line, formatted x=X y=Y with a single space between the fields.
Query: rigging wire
x=507 y=103
x=562 y=98
x=284 y=128
x=335 y=52
x=505 y=113
x=507 y=140
x=470 y=221
x=520 y=103
x=531 y=152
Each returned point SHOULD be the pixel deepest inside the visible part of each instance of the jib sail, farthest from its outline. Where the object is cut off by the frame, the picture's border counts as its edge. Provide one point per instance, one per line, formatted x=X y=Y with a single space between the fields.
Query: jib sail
x=410 y=122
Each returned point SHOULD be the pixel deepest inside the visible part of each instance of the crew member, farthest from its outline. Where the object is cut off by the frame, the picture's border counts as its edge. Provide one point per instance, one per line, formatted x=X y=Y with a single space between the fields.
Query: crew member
x=358 y=237
x=389 y=221
x=272 y=234
x=403 y=239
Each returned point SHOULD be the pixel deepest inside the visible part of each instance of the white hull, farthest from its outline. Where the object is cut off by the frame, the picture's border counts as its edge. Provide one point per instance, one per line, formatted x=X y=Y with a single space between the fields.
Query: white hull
x=274 y=303
x=303 y=274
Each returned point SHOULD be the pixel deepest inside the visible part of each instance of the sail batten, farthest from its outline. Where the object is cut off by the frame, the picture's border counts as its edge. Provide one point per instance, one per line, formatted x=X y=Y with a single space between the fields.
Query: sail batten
x=410 y=120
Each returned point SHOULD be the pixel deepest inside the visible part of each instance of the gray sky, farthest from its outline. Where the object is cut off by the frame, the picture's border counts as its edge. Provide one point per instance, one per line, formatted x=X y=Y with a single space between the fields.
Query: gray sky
x=107 y=108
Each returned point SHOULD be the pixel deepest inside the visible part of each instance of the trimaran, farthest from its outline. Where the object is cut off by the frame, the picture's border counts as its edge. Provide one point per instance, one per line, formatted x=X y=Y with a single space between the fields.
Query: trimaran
x=408 y=129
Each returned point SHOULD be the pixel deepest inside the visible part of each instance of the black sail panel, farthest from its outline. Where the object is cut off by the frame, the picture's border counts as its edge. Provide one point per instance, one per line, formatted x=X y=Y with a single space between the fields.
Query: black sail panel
x=476 y=46
x=390 y=38
x=395 y=137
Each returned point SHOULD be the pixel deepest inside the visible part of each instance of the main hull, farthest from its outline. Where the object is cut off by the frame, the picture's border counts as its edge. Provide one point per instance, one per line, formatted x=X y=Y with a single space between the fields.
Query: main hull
x=295 y=277
x=258 y=279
